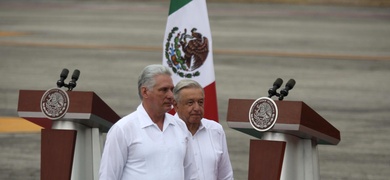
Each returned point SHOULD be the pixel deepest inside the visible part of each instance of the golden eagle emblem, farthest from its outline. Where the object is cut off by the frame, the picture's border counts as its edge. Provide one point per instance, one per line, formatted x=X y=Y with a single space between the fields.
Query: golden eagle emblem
x=186 y=52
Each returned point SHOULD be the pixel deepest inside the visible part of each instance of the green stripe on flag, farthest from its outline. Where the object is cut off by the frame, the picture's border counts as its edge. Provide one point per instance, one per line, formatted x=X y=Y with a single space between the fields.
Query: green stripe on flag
x=177 y=4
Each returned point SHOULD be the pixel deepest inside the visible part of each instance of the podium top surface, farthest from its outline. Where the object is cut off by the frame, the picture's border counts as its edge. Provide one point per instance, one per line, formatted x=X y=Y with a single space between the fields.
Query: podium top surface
x=294 y=117
x=85 y=107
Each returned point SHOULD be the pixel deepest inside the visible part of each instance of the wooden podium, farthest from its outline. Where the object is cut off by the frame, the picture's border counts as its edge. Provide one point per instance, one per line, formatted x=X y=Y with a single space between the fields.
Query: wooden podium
x=71 y=146
x=287 y=151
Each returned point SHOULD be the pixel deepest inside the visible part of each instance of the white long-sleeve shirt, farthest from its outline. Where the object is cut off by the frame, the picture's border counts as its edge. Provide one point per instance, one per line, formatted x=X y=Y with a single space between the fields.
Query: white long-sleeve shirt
x=137 y=149
x=211 y=152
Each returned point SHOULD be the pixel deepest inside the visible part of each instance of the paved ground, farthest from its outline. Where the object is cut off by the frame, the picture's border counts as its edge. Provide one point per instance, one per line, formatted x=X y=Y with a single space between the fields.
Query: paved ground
x=339 y=56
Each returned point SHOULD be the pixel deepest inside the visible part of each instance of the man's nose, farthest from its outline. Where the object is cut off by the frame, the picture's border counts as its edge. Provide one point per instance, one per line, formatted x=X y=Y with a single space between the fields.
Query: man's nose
x=197 y=106
x=170 y=94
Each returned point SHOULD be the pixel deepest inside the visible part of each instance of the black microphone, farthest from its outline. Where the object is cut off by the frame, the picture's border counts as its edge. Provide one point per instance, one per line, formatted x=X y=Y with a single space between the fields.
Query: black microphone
x=284 y=92
x=272 y=91
x=75 y=76
x=63 y=76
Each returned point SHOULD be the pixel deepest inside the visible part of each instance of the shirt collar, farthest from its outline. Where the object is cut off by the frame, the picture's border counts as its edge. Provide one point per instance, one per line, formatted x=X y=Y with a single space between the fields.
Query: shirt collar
x=146 y=121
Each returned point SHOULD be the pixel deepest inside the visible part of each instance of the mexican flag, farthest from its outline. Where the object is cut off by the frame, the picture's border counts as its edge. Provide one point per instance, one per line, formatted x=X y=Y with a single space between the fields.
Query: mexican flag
x=187 y=48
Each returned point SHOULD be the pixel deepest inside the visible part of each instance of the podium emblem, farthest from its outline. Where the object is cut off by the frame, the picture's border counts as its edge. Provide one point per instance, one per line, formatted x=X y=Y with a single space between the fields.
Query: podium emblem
x=263 y=114
x=54 y=103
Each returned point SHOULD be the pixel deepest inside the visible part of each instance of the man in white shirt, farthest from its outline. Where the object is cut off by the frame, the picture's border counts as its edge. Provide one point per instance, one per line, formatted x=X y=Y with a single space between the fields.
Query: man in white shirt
x=208 y=137
x=149 y=144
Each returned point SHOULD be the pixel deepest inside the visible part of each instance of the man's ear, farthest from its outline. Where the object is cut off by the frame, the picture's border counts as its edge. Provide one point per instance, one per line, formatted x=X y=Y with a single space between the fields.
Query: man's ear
x=144 y=92
x=174 y=103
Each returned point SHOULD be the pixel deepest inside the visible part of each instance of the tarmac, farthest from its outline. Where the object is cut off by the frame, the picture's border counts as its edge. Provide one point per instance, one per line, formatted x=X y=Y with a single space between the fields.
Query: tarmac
x=338 y=55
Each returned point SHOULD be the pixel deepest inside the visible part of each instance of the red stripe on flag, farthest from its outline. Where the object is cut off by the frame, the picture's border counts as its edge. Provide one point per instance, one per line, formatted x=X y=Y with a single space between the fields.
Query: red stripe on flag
x=211 y=104
x=172 y=111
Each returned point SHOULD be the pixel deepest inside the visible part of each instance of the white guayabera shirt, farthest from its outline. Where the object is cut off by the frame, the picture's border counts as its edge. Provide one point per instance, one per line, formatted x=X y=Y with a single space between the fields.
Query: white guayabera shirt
x=136 y=148
x=211 y=152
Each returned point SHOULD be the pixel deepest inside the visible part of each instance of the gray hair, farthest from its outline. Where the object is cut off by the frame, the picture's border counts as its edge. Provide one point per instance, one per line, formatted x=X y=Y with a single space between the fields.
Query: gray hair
x=147 y=75
x=183 y=84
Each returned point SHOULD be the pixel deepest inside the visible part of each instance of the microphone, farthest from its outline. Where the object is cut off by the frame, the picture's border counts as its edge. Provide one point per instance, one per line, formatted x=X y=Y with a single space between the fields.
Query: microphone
x=75 y=76
x=272 y=91
x=284 y=92
x=63 y=76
